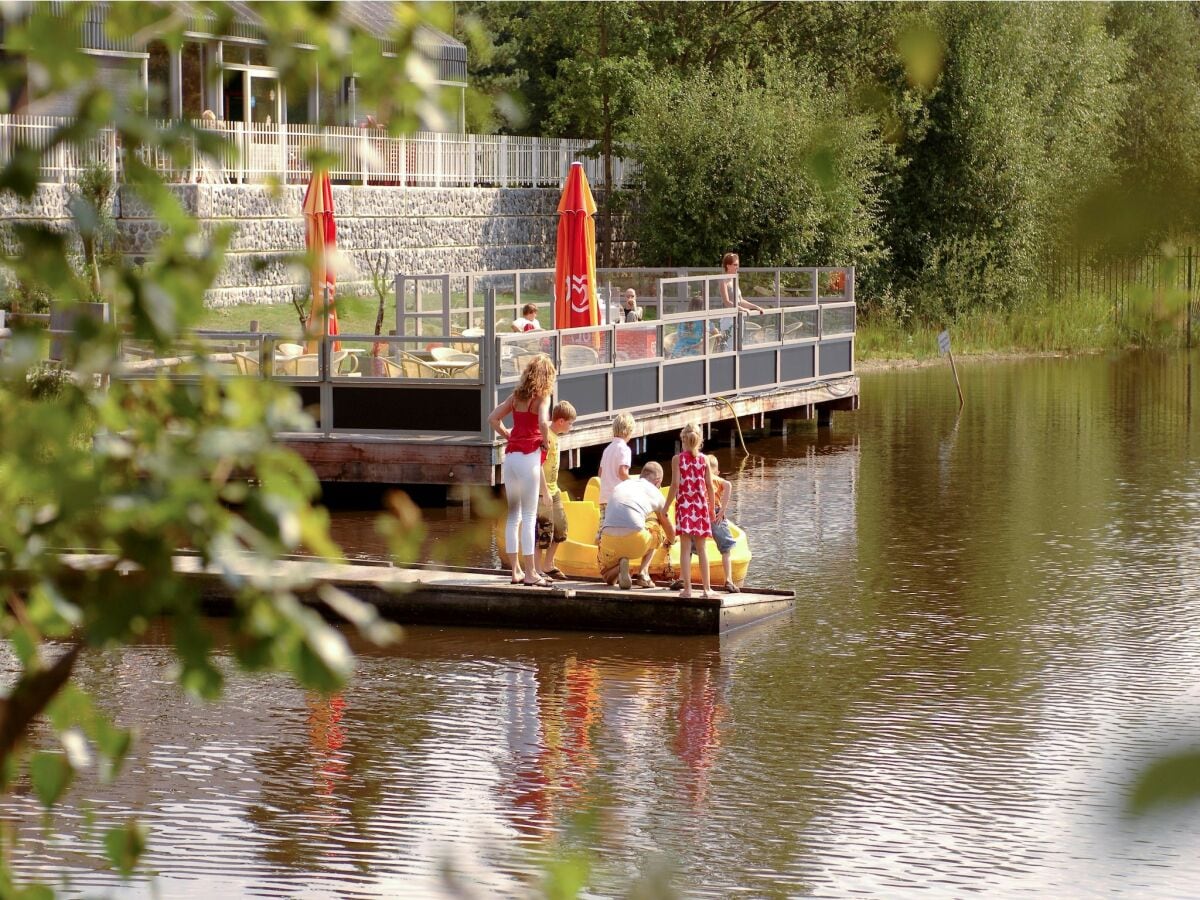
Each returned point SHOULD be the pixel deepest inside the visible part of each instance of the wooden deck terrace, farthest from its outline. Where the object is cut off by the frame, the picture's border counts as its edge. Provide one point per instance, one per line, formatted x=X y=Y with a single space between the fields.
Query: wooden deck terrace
x=412 y=407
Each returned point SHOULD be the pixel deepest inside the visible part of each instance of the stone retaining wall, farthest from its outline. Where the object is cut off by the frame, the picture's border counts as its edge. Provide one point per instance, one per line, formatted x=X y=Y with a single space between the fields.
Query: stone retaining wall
x=419 y=230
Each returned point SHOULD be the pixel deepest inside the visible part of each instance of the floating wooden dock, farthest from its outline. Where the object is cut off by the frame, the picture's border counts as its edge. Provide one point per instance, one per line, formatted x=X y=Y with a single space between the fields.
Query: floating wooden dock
x=429 y=595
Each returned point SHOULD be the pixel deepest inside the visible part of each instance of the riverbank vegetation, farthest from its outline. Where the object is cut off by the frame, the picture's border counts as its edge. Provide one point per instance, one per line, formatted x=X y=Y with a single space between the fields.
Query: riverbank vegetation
x=136 y=470
x=957 y=154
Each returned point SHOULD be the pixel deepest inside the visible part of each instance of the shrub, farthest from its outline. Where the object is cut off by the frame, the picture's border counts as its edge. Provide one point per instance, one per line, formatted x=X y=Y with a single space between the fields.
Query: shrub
x=771 y=165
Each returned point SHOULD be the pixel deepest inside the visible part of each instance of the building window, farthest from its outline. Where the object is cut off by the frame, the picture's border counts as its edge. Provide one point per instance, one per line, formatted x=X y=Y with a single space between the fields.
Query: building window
x=193 y=80
x=158 y=70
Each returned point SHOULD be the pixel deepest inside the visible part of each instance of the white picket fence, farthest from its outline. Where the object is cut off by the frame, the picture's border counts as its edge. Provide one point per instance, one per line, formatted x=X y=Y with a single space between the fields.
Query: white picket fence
x=255 y=153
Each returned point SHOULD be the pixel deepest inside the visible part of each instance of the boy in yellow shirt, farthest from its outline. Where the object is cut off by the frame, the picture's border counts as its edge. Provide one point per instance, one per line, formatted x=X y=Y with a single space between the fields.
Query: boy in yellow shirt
x=551 y=517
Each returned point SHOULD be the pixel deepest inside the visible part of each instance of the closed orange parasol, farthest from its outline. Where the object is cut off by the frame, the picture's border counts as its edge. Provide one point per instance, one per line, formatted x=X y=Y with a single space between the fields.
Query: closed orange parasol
x=575 y=303
x=320 y=238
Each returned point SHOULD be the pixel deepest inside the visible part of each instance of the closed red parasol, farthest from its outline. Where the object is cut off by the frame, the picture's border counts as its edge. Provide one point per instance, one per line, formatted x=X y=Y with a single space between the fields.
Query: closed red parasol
x=320 y=238
x=575 y=304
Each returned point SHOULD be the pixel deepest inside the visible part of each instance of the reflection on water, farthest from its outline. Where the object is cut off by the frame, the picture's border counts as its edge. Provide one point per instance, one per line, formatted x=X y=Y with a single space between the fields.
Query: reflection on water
x=997 y=623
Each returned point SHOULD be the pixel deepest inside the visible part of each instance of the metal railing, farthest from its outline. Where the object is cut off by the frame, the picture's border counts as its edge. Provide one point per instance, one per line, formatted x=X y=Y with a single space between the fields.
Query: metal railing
x=454 y=302
x=434 y=380
x=256 y=152
x=694 y=346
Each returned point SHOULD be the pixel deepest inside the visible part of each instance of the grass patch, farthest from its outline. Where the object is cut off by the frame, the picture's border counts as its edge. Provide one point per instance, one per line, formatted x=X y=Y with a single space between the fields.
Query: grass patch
x=1067 y=325
x=356 y=315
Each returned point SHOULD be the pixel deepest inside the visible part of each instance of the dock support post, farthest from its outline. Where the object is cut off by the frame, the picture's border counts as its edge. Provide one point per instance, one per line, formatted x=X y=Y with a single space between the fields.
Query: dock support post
x=824 y=416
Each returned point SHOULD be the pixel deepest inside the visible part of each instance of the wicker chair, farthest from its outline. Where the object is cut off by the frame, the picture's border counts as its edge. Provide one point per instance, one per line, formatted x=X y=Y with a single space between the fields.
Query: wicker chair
x=579 y=356
x=247 y=363
x=415 y=367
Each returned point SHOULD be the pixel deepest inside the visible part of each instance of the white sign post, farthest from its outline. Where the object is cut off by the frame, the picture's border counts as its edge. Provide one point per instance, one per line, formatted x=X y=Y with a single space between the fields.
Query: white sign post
x=944 y=350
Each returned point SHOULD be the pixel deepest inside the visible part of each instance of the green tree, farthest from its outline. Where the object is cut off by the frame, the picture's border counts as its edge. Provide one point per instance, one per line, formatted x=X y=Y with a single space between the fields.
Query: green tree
x=1156 y=189
x=770 y=165
x=145 y=468
x=1020 y=127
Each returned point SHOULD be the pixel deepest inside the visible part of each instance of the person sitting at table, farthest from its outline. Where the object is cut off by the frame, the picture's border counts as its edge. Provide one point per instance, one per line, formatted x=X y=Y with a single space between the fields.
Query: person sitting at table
x=630 y=311
x=528 y=320
x=689 y=336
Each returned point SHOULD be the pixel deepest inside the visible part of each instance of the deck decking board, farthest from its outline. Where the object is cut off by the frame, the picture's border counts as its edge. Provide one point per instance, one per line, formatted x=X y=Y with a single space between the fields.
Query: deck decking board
x=427 y=595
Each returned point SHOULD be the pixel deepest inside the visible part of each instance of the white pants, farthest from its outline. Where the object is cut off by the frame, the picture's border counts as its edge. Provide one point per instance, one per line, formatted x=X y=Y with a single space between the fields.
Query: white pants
x=522 y=484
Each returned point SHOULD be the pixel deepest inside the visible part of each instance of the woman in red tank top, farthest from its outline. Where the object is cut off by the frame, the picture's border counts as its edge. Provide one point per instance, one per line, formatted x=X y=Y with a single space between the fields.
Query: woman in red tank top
x=529 y=405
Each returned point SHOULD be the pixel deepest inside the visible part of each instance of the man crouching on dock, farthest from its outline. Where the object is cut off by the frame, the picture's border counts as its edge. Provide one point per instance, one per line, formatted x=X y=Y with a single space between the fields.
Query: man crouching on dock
x=627 y=535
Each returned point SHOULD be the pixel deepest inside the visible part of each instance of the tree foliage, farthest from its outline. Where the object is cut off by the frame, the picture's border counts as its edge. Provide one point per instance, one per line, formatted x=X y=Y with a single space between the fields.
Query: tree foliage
x=1010 y=131
x=769 y=166
x=137 y=470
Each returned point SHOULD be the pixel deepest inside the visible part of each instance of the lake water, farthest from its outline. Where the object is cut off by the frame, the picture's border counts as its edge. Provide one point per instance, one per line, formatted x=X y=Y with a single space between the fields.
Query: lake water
x=997 y=626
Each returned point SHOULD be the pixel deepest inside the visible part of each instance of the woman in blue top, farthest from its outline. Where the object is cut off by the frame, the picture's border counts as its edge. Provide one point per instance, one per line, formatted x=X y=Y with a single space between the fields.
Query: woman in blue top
x=690 y=335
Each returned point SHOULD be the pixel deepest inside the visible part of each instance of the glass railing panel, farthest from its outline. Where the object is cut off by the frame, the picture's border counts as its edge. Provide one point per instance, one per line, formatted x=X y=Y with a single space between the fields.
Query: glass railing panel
x=505 y=285
x=538 y=288
x=431 y=295
x=837 y=320
x=800 y=324
x=833 y=284
x=406 y=359
x=617 y=283
x=637 y=343
x=685 y=338
x=408 y=300
x=585 y=348
x=515 y=351
x=759 y=288
x=797 y=286
x=760 y=329
x=458 y=292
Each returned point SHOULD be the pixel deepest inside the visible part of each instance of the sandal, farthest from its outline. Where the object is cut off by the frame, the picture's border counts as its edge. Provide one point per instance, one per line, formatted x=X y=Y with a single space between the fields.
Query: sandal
x=731 y=588
x=676 y=585
x=541 y=582
x=556 y=573
x=643 y=581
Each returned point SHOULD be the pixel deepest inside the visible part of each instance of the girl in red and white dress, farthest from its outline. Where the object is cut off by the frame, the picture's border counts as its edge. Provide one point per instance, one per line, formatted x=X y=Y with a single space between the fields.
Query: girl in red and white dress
x=692 y=493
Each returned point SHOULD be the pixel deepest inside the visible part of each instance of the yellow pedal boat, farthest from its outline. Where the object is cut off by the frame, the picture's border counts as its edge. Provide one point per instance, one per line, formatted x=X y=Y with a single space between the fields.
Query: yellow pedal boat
x=578 y=558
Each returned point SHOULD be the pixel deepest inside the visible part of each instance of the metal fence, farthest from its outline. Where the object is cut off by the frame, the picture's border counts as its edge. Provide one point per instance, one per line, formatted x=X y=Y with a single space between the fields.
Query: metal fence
x=254 y=153
x=444 y=381
x=1122 y=278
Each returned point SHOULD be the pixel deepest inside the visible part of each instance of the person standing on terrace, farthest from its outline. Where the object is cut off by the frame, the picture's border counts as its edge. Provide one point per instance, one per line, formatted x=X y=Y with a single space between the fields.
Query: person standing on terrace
x=528 y=440
x=731 y=296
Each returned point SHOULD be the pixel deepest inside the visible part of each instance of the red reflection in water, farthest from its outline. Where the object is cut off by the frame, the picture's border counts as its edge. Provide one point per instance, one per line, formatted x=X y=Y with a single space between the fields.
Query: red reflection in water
x=697 y=736
x=326 y=735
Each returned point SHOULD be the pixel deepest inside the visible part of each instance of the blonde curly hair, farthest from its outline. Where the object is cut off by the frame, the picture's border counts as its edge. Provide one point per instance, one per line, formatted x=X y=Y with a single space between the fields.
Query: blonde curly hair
x=537 y=380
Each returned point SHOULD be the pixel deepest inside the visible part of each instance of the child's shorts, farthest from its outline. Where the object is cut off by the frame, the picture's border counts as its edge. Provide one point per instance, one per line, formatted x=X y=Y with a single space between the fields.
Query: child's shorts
x=722 y=536
x=551 y=522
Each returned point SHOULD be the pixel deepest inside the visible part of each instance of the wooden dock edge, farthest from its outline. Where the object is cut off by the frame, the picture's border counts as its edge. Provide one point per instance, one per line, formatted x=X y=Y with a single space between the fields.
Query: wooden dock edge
x=427 y=595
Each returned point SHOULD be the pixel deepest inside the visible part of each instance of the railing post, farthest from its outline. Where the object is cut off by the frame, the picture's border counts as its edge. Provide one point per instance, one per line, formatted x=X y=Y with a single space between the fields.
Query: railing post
x=537 y=161
x=437 y=159
x=111 y=149
x=400 y=313
x=503 y=160
x=363 y=145
x=324 y=371
x=489 y=356
x=470 y=160
x=403 y=161
x=239 y=141
x=283 y=154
